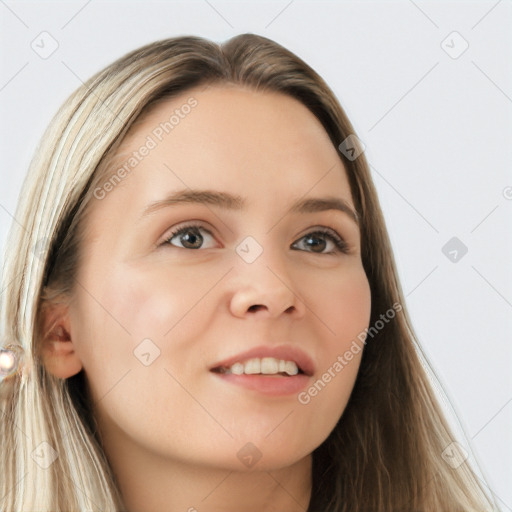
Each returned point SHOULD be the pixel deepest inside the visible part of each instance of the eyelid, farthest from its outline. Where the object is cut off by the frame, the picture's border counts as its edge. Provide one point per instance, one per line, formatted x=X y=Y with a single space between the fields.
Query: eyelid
x=171 y=232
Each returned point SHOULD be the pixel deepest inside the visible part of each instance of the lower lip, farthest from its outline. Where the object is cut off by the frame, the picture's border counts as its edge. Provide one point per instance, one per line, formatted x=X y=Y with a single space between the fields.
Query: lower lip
x=273 y=385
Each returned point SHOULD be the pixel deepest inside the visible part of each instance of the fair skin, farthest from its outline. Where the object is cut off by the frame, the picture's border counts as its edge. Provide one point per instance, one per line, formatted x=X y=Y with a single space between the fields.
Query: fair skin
x=172 y=430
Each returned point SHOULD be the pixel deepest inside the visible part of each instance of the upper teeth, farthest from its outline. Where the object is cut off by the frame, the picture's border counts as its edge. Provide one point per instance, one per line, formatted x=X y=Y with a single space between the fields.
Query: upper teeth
x=264 y=365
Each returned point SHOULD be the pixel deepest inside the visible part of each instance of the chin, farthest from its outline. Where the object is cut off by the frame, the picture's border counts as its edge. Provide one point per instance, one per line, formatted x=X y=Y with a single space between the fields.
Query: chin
x=249 y=460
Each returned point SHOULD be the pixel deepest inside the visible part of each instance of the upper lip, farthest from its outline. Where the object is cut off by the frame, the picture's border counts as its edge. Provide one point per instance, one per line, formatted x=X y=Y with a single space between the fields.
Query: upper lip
x=285 y=352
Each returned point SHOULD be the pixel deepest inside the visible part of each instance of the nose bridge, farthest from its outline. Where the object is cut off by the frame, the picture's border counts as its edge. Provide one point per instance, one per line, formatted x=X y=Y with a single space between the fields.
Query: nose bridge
x=263 y=260
x=263 y=278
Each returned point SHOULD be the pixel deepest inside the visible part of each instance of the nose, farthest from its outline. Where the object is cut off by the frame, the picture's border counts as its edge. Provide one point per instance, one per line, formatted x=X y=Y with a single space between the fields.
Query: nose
x=265 y=289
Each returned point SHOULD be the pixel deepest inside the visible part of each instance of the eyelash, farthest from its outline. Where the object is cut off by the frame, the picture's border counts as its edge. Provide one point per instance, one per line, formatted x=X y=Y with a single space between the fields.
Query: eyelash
x=340 y=244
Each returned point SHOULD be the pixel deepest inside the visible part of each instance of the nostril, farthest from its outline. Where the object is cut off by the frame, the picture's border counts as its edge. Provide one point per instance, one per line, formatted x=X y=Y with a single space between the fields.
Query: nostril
x=256 y=307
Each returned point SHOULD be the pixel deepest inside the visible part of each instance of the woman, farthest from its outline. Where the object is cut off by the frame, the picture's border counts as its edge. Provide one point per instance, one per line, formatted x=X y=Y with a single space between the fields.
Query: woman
x=204 y=311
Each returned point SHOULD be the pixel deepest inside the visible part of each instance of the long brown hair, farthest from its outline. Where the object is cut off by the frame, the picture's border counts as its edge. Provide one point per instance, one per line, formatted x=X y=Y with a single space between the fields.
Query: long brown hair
x=385 y=453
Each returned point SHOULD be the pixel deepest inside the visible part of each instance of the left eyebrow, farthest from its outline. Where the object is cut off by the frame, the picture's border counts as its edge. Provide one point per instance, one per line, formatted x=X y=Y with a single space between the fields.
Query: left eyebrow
x=236 y=203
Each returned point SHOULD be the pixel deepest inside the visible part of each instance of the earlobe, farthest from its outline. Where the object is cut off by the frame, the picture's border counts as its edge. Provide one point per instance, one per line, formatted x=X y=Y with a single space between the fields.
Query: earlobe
x=57 y=347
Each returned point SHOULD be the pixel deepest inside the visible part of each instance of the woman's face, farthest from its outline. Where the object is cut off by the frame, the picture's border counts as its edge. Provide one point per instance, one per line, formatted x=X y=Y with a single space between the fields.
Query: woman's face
x=159 y=319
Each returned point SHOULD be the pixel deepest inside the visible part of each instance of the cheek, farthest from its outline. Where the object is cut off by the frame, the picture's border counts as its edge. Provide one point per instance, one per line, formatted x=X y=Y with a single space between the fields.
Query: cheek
x=351 y=309
x=116 y=313
x=145 y=303
x=342 y=302
x=344 y=306
x=118 y=319
x=112 y=315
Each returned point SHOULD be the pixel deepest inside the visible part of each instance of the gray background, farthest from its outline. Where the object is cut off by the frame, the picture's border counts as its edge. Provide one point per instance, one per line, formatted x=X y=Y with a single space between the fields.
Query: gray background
x=437 y=128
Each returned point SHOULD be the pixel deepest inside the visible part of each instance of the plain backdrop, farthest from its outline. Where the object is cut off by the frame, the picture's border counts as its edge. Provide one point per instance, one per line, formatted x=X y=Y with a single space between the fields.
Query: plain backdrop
x=428 y=87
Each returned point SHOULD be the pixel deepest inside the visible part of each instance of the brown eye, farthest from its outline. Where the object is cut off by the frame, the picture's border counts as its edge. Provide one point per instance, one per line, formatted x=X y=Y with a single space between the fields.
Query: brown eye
x=318 y=241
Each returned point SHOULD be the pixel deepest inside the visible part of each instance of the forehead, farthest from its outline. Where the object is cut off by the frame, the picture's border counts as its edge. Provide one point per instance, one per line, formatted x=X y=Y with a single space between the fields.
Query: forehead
x=234 y=139
x=230 y=116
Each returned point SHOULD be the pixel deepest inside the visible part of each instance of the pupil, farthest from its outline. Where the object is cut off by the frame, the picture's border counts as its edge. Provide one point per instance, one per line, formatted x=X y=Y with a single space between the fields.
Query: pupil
x=189 y=238
x=315 y=243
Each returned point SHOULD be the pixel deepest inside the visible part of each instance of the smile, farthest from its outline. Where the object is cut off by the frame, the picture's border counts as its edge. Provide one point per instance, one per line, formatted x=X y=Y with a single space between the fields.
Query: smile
x=269 y=370
x=262 y=366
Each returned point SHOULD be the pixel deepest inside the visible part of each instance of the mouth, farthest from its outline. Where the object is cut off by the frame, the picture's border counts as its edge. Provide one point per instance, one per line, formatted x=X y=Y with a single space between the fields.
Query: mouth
x=274 y=371
x=262 y=366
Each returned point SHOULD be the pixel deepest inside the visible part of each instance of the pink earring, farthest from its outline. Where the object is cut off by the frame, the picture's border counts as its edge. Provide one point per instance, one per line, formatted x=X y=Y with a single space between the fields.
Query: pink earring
x=10 y=359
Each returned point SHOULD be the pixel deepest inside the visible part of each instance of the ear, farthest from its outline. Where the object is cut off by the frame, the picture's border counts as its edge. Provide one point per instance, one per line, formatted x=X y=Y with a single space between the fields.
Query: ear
x=57 y=349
